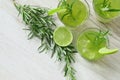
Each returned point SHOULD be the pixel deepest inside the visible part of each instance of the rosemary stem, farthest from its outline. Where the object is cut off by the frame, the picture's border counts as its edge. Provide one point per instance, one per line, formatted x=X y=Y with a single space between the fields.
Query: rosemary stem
x=40 y=24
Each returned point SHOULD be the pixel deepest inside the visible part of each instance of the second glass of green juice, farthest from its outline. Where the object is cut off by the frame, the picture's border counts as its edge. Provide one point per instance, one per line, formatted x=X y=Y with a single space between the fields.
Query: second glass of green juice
x=75 y=13
x=90 y=41
x=106 y=10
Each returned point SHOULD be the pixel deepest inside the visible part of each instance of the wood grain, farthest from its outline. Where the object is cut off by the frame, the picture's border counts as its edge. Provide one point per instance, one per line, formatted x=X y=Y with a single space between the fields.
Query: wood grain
x=20 y=60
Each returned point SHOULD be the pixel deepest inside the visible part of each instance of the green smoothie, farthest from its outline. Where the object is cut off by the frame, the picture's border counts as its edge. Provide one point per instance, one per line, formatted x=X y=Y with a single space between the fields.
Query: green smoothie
x=107 y=9
x=75 y=14
x=90 y=42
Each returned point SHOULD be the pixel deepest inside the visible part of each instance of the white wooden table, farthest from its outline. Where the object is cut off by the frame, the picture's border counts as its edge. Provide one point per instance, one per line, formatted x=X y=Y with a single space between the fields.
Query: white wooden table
x=20 y=60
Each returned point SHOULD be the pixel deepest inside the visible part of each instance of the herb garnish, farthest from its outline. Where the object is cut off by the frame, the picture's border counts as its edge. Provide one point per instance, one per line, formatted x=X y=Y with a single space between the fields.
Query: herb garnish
x=64 y=5
x=100 y=37
x=40 y=25
x=106 y=6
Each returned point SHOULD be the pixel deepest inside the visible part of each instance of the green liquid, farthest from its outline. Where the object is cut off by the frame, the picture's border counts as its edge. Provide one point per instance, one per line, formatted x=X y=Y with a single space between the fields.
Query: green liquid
x=87 y=46
x=98 y=5
x=79 y=14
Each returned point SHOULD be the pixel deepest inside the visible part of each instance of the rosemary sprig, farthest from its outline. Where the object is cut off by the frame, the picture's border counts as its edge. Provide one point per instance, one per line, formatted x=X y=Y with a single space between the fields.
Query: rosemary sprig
x=106 y=6
x=66 y=54
x=68 y=7
x=64 y=5
x=40 y=25
x=100 y=37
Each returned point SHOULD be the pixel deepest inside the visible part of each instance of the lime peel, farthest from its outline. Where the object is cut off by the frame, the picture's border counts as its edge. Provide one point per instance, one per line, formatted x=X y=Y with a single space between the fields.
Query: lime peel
x=106 y=51
x=53 y=11
x=62 y=36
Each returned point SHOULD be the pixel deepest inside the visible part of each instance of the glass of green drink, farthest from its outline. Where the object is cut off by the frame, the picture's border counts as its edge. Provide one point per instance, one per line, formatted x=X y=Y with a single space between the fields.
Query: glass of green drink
x=92 y=44
x=106 y=10
x=74 y=12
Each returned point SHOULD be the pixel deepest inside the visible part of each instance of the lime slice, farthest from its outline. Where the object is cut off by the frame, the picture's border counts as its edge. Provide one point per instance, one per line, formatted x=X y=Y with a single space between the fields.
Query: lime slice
x=62 y=36
x=105 y=51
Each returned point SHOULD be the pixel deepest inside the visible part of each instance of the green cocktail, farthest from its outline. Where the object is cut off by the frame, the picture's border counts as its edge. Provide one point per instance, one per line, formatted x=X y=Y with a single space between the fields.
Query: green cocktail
x=75 y=12
x=92 y=44
x=106 y=10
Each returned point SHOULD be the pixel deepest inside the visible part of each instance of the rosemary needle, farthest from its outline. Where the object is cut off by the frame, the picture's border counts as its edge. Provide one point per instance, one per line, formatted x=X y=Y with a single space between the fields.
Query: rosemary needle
x=40 y=25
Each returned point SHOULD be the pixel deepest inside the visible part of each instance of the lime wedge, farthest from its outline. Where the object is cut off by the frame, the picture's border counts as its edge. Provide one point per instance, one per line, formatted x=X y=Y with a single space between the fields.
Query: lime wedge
x=62 y=36
x=106 y=51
